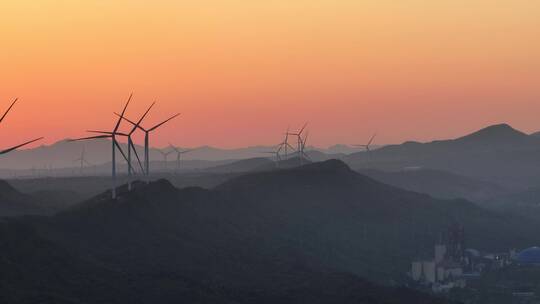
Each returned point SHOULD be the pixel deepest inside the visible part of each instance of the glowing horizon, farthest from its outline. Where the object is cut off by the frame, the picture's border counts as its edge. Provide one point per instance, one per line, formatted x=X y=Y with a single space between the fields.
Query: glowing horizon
x=240 y=72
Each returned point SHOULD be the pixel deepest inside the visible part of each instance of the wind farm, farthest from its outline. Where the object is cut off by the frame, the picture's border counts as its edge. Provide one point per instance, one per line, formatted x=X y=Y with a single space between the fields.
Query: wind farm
x=269 y=152
x=279 y=176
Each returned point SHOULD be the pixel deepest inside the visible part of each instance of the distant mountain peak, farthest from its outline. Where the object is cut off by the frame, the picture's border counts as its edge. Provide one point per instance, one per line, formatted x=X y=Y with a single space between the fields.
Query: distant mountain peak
x=498 y=132
x=499 y=127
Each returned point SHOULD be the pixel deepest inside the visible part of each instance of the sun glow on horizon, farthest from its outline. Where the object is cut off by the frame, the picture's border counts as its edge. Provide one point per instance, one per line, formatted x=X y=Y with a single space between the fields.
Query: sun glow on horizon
x=240 y=72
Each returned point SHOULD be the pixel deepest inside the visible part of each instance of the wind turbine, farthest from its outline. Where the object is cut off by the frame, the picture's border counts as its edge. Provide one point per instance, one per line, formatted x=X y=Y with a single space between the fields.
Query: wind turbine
x=165 y=155
x=285 y=144
x=5 y=151
x=82 y=160
x=115 y=145
x=367 y=147
x=147 y=138
x=302 y=151
x=299 y=142
x=179 y=154
x=131 y=146
x=276 y=153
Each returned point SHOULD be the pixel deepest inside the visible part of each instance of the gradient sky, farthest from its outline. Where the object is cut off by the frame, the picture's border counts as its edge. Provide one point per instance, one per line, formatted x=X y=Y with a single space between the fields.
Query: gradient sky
x=241 y=71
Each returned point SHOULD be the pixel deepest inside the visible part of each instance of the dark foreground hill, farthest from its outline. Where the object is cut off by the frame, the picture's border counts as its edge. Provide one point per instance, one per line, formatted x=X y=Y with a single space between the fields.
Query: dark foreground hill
x=303 y=235
x=15 y=203
x=439 y=184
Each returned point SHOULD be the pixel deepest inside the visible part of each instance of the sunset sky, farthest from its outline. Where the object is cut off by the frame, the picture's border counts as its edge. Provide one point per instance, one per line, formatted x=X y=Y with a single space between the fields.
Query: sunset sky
x=241 y=71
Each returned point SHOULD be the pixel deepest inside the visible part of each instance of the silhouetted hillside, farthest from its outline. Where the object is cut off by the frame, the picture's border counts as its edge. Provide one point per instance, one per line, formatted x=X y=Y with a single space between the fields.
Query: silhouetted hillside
x=499 y=154
x=14 y=203
x=266 y=237
x=498 y=135
x=523 y=203
x=244 y=165
x=437 y=183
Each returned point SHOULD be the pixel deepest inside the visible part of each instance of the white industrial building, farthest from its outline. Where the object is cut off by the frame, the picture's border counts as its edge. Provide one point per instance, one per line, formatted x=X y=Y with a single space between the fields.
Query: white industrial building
x=441 y=272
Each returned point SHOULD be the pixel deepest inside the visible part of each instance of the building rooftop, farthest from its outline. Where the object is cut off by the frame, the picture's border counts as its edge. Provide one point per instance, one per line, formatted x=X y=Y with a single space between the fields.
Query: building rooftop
x=529 y=256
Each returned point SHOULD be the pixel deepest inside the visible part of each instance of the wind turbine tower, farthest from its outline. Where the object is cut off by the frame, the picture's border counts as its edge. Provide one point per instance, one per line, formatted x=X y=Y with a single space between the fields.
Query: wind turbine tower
x=115 y=145
x=165 y=155
x=147 y=138
x=299 y=142
x=179 y=154
x=82 y=161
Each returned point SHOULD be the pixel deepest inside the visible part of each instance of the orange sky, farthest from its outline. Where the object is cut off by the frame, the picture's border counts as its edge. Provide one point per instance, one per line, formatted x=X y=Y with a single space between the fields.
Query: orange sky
x=241 y=71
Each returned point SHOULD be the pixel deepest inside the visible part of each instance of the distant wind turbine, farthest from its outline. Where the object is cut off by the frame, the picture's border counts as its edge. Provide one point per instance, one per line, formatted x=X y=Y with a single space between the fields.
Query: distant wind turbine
x=179 y=154
x=165 y=155
x=302 y=151
x=276 y=153
x=367 y=146
x=285 y=144
x=82 y=160
x=299 y=142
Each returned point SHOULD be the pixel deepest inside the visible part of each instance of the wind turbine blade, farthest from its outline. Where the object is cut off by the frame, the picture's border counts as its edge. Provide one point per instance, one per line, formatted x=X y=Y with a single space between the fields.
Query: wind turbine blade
x=289 y=145
x=302 y=130
x=19 y=146
x=371 y=140
x=99 y=132
x=174 y=148
x=91 y=137
x=130 y=121
x=142 y=118
x=164 y=122
x=9 y=109
x=123 y=112
x=122 y=152
x=109 y=133
x=136 y=155
x=304 y=141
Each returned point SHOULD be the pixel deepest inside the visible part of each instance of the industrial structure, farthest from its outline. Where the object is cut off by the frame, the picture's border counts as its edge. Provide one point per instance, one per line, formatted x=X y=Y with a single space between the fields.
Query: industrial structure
x=445 y=269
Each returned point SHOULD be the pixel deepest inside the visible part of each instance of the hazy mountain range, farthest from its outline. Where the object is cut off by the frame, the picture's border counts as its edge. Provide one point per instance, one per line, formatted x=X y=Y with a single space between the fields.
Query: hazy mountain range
x=498 y=154
x=301 y=235
x=64 y=154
